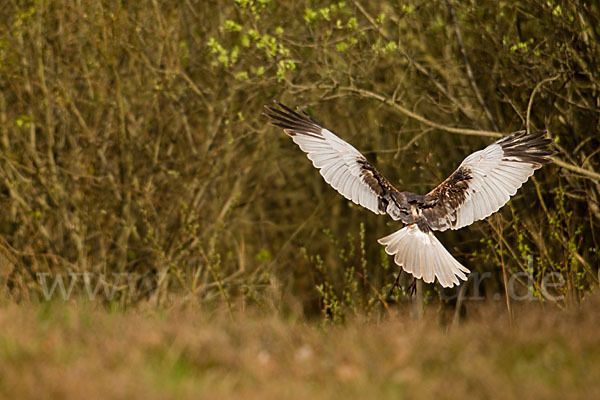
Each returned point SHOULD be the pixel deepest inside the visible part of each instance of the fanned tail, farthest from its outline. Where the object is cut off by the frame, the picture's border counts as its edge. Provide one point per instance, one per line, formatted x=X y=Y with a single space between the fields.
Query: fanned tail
x=423 y=255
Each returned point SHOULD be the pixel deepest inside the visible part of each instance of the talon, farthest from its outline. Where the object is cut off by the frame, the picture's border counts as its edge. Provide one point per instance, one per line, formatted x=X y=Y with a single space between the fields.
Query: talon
x=412 y=288
x=396 y=284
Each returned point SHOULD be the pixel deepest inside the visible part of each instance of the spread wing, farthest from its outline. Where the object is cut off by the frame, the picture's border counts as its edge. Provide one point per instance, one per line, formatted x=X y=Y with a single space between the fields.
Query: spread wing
x=486 y=179
x=340 y=164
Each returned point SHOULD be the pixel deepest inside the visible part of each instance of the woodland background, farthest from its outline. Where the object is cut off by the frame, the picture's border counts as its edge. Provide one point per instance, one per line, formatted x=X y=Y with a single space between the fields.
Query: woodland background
x=132 y=143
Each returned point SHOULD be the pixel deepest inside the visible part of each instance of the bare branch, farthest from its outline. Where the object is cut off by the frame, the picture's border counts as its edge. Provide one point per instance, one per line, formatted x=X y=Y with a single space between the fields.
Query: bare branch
x=468 y=68
x=461 y=131
x=535 y=89
x=388 y=101
x=415 y=63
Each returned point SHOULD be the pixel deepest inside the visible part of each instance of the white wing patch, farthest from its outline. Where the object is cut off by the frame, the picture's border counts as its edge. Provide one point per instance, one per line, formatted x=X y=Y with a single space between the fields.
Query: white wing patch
x=422 y=255
x=495 y=179
x=339 y=164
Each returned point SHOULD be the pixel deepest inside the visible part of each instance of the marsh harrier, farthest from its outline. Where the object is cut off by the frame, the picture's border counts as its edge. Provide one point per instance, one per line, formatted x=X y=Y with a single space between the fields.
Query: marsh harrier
x=480 y=186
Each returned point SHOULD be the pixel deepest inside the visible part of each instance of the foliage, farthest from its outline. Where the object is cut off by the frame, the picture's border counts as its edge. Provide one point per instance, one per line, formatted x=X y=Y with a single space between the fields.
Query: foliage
x=132 y=141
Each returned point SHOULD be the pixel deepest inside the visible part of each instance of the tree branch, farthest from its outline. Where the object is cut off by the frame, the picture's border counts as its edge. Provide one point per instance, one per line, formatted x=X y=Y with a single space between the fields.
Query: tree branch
x=535 y=89
x=461 y=131
x=468 y=69
x=419 y=67
x=390 y=102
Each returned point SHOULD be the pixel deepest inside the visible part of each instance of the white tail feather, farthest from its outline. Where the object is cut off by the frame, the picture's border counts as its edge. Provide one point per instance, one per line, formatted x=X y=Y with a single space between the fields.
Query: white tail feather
x=422 y=255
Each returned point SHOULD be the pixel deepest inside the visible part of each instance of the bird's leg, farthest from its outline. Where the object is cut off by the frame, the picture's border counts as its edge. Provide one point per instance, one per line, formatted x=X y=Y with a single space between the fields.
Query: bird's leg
x=396 y=284
x=412 y=288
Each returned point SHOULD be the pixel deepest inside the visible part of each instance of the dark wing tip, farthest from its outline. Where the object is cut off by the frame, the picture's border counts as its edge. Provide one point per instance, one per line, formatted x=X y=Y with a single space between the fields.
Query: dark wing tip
x=532 y=147
x=291 y=121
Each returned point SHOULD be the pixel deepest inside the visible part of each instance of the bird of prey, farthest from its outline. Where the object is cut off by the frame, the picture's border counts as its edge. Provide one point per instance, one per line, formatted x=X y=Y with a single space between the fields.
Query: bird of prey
x=479 y=187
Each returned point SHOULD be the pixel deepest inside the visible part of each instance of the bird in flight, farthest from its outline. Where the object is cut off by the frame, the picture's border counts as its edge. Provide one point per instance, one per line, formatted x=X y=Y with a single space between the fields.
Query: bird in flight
x=479 y=187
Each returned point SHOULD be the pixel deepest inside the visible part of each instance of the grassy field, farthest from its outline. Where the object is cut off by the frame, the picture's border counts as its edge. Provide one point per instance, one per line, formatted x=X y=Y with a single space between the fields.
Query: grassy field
x=58 y=350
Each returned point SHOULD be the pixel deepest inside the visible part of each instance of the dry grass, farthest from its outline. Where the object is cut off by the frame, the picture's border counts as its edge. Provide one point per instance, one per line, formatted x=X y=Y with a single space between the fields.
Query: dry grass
x=72 y=351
